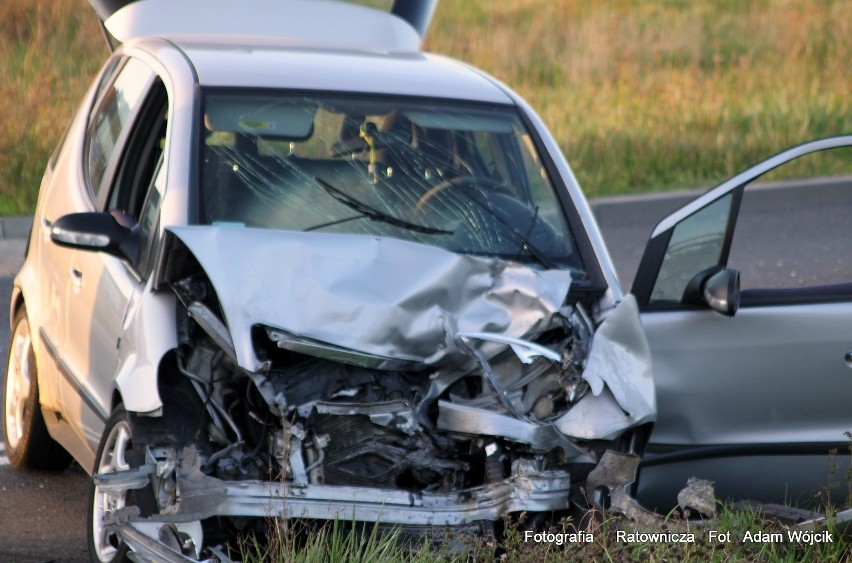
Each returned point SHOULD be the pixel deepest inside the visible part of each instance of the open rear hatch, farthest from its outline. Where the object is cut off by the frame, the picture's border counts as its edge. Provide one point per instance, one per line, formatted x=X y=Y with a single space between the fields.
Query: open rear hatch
x=312 y=22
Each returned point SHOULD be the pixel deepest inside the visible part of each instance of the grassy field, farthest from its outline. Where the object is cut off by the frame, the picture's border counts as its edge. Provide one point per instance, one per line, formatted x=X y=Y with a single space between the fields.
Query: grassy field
x=647 y=95
x=49 y=53
x=642 y=95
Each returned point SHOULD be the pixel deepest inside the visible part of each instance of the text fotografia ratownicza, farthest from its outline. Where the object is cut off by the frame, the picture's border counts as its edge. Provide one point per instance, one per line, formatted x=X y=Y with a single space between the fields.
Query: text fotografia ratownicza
x=712 y=536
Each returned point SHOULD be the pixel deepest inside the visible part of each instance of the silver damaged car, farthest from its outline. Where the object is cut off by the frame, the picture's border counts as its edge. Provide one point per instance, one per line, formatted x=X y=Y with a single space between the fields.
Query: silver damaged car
x=284 y=264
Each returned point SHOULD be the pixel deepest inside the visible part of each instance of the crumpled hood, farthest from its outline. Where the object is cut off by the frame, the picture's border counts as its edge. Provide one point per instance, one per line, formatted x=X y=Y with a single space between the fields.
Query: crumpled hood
x=379 y=296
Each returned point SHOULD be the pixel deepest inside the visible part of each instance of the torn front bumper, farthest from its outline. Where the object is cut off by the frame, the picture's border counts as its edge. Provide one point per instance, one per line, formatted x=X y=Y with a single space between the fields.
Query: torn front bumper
x=535 y=493
x=526 y=490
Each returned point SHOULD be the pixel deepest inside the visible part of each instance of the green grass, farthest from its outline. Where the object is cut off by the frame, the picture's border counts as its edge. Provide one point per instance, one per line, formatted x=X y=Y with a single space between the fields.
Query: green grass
x=339 y=543
x=49 y=53
x=736 y=536
x=649 y=95
x=642 y=95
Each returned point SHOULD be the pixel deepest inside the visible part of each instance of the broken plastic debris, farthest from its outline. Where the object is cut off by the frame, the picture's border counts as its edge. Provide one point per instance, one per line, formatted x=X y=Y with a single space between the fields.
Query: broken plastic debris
x=616 y=471
x=698 y=495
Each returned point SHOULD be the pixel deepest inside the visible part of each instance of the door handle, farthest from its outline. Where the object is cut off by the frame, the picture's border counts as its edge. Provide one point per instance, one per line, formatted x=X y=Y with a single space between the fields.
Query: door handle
x=76 y=277
x=848 y=358
x=46 y=224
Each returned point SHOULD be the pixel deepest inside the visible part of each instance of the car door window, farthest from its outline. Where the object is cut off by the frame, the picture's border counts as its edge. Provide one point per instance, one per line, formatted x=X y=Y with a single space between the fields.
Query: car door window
x=145 y=143
x=107 y=76
x=696 y=245
x=139 y=177
x=148 y=221
x=793 y=229
x=109 y=123
x=780 y=228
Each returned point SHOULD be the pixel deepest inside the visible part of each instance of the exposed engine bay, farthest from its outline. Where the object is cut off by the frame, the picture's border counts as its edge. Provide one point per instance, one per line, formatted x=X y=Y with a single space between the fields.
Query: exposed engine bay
x=508 y=418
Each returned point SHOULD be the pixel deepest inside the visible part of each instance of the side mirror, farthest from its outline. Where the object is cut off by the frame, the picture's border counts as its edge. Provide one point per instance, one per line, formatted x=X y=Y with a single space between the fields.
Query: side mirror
x=722 y=292
x=94 y=231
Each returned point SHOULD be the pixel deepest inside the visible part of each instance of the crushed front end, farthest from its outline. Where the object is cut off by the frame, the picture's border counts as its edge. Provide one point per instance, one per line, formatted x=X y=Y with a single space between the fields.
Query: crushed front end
x=401 y=403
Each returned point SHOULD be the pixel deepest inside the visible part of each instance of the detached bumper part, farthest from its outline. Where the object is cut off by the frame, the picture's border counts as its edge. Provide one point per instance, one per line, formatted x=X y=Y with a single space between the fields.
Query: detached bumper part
x=540 y=493
x=145 y=549
x=527 y=489
x=616 y=472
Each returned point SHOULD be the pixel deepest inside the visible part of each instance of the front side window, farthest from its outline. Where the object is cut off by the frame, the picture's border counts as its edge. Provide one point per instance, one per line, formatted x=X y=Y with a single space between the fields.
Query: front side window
x=111 y=118
x=463 y=177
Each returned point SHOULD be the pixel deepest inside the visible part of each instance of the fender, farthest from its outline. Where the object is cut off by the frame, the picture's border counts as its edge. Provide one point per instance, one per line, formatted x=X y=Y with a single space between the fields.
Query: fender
x=149 y=333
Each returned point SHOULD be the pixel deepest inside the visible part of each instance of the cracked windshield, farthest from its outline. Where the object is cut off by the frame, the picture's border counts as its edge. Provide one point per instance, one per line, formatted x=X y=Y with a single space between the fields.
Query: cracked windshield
x=463 y=177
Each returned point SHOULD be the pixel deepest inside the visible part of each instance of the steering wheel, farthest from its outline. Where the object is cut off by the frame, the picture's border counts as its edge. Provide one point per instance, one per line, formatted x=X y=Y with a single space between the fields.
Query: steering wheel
x=475 y=181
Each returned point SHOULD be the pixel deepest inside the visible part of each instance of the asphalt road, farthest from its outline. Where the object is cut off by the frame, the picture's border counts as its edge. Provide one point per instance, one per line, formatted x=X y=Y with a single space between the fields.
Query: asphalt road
x=42 y=515
x=788 y=234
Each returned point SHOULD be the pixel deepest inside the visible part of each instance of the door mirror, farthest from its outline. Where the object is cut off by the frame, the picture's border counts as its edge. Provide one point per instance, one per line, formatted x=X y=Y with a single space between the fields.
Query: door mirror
x=722 y=292
x=94 y=231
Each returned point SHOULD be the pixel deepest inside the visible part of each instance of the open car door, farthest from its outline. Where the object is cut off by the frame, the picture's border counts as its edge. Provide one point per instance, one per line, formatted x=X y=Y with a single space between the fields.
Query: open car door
x=746 y=300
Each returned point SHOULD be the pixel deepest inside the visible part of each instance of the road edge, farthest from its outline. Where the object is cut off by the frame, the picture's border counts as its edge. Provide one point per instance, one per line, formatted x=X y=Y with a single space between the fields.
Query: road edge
x=19 y=227
x=15 y=227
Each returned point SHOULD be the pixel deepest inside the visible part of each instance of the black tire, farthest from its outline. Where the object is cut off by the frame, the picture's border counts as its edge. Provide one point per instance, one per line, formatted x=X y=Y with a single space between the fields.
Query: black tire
x=28 y=443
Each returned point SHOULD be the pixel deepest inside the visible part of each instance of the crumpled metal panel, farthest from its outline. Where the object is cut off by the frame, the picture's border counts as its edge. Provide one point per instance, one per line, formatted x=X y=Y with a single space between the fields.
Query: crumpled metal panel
x=594 y=417
x=621 y=359
x=149 y=332
x=481 y=422
x=381 y=296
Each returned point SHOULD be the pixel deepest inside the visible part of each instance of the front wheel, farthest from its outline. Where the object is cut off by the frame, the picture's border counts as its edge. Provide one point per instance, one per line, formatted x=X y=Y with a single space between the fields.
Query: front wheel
x=28 y=443
x=104 y=545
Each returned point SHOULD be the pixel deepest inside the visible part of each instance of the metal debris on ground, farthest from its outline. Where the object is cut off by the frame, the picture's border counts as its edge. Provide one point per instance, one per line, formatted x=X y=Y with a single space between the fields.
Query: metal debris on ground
x=698 y=495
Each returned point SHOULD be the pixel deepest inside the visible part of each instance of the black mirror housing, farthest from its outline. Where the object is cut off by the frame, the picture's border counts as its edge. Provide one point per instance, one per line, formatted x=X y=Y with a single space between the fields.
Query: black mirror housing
x=722 y=292
x=93 y=231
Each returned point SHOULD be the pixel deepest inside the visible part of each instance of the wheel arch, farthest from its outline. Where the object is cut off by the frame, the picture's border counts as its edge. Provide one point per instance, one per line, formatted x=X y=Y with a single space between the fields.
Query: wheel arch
x=116 y=400
x=15 y=303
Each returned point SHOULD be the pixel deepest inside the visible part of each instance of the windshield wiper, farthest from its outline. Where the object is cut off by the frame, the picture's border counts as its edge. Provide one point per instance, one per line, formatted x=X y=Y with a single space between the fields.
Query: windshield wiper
x=333 y=223
x=374 y=214
x=522 y=238
x=526 y=245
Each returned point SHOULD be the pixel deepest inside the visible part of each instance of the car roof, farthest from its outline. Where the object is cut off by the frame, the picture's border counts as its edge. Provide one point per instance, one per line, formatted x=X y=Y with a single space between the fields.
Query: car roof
x=281 y=63
x=312 y=45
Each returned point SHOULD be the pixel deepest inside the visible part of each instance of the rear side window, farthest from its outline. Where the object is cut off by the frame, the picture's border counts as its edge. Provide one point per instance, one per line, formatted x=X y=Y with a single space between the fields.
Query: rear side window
x=109 y=123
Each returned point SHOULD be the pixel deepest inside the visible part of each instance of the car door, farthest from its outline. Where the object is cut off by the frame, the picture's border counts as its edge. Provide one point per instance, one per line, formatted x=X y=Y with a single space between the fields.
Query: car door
x=759 y=400
x=61 y=193
x=124 y=153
